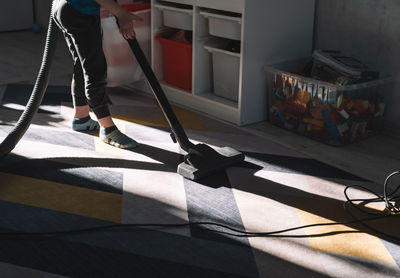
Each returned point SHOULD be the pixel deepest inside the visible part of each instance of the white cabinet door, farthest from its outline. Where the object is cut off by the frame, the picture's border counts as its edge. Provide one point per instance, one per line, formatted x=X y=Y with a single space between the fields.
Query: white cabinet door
x=16 y=15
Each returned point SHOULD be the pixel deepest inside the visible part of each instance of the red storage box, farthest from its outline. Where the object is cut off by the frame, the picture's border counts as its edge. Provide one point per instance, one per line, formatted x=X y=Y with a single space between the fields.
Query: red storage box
x=177 y=63
x=136 y=6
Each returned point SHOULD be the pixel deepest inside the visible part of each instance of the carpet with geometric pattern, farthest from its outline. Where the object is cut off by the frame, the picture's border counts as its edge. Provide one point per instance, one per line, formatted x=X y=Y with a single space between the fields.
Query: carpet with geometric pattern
x=60 y=180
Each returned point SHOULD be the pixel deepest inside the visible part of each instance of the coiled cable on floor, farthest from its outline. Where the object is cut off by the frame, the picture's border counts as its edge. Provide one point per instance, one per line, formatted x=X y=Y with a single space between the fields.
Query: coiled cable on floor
x=38 y=92
x=392 y=206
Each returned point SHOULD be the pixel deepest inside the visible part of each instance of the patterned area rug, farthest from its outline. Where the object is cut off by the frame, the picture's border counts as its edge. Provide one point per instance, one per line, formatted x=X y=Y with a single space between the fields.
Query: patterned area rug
x=60 y=180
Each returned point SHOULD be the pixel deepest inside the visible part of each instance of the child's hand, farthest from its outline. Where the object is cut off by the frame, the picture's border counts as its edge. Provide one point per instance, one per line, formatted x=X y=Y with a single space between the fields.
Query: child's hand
x=125 y=18
x=126 y=28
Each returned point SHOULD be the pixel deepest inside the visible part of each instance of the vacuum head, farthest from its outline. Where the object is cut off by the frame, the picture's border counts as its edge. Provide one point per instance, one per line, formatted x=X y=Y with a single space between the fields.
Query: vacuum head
x=202 y=160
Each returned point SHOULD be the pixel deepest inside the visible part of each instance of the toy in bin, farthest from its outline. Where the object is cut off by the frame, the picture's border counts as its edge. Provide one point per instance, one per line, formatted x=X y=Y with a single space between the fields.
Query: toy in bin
x=324 y=111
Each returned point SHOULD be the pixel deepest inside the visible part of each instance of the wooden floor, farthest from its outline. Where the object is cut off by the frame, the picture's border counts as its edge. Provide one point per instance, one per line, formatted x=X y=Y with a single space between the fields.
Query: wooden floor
x=373 y=159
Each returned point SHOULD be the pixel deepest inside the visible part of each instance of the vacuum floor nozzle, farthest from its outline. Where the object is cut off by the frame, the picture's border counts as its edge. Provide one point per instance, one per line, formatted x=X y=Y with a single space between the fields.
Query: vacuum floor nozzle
x=202 y=160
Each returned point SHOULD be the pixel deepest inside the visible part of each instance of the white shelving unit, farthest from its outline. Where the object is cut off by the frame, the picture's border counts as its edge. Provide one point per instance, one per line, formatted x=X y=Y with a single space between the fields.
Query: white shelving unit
x=269 y=31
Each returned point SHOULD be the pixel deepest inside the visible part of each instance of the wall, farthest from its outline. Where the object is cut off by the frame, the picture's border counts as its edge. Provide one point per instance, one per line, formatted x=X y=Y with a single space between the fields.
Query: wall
x=16 y=15
x=370 y=30
x=43 y=8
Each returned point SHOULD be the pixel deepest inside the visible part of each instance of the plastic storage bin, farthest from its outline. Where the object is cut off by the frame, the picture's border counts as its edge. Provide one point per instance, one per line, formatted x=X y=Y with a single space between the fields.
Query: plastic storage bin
x=226 y=72
x=334 y=114
x=180 y=17
x=224 y=26
x=122 y=67
x=177 y=63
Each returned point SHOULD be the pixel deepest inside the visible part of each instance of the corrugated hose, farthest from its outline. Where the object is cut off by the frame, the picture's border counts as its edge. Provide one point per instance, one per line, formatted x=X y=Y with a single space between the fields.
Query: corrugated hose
x=37 y=95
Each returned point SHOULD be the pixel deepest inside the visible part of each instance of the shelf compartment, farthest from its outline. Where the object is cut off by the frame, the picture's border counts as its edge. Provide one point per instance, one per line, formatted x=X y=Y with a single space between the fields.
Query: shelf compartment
x=170 y=87
x=176 y=16
x=177 y=63
x=220 y=100
x=181 y=2
x=228 y=5
x=226 y=72
x=216 y=106
x=224 y=26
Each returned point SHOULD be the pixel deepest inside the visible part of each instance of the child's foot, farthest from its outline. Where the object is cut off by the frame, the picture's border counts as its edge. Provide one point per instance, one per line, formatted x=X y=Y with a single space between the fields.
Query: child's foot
x=84 y=124
x=116 y=138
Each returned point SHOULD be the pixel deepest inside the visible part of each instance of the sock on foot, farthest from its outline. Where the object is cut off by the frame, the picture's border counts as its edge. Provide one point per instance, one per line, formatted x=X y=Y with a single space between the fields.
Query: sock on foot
x=81 y=120
x=108 y=130
x=111 y=135
x=86 y=123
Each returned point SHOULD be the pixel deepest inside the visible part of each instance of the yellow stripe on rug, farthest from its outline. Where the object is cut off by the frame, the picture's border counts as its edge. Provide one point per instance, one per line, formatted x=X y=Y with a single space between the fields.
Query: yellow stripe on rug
x=61 y=197
x=348 y=241
x=188 y=119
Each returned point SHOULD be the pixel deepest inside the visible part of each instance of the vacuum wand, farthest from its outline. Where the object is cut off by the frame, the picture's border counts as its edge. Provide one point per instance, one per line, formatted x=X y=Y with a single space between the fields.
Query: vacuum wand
x=201 y=160
x=166 y=108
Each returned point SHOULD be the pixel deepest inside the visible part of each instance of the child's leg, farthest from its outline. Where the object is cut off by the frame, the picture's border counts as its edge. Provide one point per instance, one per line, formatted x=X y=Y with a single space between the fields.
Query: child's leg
x=82 y=120
x=86 y=36
x=93 y=72
x=78 y=82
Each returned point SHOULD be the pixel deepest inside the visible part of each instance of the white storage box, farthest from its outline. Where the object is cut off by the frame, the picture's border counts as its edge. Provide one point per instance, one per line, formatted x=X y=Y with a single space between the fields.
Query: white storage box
x=174 y=17
x=229 y=27
x=122 y=67
x=226 y=67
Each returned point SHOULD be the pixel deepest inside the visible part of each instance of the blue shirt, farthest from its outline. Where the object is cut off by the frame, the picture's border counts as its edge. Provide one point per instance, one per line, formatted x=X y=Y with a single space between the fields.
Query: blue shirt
x=85 y=6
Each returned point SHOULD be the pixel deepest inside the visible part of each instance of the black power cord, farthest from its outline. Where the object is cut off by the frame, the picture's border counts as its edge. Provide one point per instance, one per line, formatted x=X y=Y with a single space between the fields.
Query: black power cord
x=392 y=211
x=392 y=207
x=234 y=231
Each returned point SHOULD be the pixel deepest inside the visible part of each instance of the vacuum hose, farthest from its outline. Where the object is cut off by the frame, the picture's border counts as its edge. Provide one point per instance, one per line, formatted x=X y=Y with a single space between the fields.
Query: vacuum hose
x=38 y=92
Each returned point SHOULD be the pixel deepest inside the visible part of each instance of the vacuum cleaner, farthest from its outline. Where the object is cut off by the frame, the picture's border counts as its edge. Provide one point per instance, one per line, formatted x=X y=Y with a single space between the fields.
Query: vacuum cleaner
x=200 y=161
